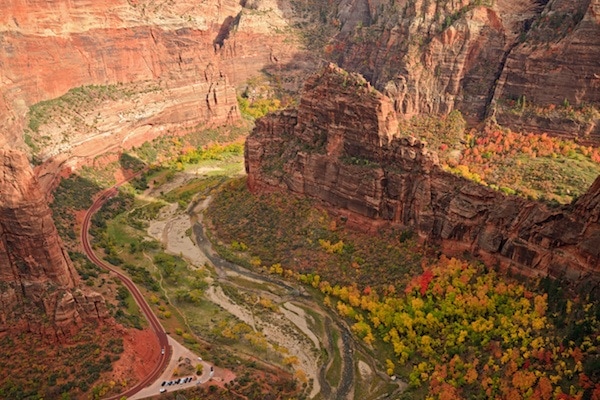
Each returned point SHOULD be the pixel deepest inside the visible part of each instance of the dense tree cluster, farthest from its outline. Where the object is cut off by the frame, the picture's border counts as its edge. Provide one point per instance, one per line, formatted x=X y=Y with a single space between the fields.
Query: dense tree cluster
x=468 y=333
x=535 y=166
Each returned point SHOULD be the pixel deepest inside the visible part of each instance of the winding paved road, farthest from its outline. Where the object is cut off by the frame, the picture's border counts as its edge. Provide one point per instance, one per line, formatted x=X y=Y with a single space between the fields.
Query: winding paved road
x=137 y=295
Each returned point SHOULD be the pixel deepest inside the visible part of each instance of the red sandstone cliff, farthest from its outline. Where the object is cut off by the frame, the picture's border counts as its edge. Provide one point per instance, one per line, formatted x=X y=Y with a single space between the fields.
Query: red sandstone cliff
x=341 y=146
x=188 y=55
x=167 y=67
x=36 y=275
x=183 y=59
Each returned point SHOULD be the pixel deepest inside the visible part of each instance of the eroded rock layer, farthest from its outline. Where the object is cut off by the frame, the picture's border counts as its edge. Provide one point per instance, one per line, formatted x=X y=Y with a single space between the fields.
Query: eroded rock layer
x=36 y=275
x=479 y=57
x=341 y=146
x=188 y=55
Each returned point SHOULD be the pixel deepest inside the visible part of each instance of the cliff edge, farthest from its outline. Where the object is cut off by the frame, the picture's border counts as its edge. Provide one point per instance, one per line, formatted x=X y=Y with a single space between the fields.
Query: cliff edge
x=37 y=277
x=342 y=146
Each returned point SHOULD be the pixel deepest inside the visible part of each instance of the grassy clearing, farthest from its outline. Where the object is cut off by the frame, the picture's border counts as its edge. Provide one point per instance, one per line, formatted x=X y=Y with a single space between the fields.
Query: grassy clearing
x=117 y=231
x=334 y=372
x=255 y=286
x=183 y=194
x=129 y=313
x=559 y=179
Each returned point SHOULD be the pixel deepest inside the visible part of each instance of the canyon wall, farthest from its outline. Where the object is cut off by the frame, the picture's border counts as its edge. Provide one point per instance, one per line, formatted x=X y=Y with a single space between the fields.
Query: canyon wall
x=479 y=57
x=37 y=277
x=105 y=76
x=168 y=67
x=171 y=66
x=342 y=146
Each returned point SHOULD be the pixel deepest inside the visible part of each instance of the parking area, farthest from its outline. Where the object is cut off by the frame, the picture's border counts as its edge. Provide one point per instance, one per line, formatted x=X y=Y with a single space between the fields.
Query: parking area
x=184 y=363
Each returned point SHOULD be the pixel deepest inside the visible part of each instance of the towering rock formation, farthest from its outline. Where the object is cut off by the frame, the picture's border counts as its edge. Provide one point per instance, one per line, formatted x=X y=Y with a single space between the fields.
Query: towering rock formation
x=341 y=146
x=36 y=275
x=479 y=57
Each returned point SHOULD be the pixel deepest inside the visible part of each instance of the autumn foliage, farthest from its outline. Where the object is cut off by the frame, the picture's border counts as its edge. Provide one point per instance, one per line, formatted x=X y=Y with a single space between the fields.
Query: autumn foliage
x=528 y=164
x=450 y=328
x=469 y=333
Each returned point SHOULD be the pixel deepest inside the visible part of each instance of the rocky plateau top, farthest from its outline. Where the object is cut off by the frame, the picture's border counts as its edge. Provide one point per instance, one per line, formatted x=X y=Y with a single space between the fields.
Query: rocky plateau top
x=341 y=145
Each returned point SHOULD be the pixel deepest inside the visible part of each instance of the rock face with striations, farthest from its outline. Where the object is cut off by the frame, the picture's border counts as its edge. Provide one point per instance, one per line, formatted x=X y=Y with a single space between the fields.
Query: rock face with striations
x=167 y=68
x=36 y=275
x=479 y=57
x=341 y=146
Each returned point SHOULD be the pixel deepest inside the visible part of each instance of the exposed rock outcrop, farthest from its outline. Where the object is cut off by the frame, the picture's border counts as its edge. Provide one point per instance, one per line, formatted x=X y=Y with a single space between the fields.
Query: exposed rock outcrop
x=341 y=146
x=189 y=55
x=475 y=56
x=36 y=275
x=557 y=63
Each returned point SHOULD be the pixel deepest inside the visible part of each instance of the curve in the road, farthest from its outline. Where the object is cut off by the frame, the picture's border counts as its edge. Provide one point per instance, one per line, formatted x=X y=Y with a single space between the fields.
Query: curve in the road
x=137 y=295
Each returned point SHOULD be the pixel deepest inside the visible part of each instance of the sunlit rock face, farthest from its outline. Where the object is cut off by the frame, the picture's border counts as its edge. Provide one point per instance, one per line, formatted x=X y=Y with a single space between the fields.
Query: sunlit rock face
x=341 y=146
x=170 y=67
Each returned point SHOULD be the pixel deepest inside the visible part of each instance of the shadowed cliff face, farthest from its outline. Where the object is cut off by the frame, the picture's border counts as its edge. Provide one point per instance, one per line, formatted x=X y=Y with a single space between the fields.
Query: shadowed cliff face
x=36 y=275
x=475 y=56
x=341 y=146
